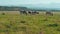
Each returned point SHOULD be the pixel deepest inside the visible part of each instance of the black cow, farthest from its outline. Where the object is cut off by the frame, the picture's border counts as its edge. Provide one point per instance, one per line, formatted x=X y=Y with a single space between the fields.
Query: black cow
x=29 y=12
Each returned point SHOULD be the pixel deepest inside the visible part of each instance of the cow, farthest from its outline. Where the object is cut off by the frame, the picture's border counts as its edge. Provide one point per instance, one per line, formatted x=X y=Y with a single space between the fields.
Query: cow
x=49 y=13
x=29 y=12
x=33 y=12
x=23 y=12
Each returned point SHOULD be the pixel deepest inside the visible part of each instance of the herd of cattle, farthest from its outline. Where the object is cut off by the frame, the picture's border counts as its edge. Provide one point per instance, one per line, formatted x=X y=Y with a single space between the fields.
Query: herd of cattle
x=34 y=12
x=29 y=12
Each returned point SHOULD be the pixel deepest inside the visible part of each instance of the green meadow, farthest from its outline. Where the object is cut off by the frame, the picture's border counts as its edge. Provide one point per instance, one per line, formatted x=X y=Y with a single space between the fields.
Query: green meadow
x=12 y=22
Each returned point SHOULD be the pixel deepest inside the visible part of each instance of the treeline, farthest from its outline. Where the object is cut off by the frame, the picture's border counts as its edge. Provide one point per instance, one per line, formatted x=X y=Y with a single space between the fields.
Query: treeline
x=12 y=8
x=15 y=8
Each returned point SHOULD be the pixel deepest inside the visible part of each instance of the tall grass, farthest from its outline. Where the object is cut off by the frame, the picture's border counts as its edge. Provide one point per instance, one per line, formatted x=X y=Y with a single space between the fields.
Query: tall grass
x=29 y=24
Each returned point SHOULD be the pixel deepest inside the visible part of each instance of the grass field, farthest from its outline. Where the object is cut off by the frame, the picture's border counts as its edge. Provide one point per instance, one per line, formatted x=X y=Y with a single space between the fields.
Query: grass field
x=14 y=23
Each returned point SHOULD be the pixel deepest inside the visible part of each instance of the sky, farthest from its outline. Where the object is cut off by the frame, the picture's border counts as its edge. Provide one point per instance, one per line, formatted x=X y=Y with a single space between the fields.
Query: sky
x=19 y=2
x=35 y=3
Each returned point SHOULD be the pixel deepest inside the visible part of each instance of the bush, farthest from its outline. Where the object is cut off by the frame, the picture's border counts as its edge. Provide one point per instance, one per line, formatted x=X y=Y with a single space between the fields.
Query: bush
x=23 y=22
x=3 y=13
x=52 y=25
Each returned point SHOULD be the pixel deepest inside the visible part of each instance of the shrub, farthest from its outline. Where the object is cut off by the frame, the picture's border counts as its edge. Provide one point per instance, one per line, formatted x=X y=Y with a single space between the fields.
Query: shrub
x=23 y=22
x=3 y=13
x=52 y=25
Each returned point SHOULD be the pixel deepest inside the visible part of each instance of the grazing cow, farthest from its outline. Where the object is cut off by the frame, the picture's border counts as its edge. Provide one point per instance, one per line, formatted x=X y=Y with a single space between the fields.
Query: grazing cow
x=49 y=13
x=33 y=12
x=29 y=12
x=37 y=12
x=23 y=12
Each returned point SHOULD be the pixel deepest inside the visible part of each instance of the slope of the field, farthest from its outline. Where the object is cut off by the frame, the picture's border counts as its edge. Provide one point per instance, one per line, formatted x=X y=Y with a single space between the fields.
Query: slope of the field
x=14 y=23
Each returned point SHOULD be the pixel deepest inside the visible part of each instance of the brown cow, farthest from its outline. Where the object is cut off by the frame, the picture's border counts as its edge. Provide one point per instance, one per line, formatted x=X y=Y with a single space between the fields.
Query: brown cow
x=49 y=13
